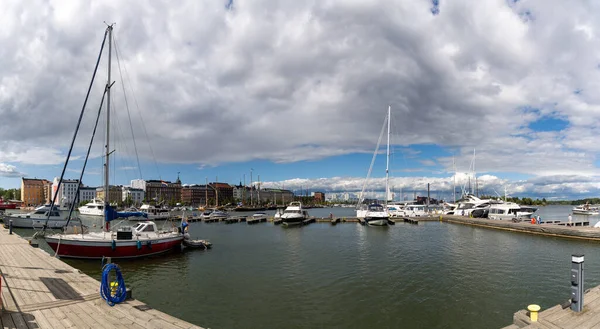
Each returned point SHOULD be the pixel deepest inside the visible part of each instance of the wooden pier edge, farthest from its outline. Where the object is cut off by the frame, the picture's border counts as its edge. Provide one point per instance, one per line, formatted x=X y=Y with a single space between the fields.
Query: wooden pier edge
x=558 y=317
x=40 y=291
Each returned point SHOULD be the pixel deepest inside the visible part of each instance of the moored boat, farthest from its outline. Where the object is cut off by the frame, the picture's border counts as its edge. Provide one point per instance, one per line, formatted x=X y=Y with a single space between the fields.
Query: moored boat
x=294 y=214
x=93 y=208
x=141 y=240
x=377 y=215
x=38 y=218
x=6 y=205
x=510 y=210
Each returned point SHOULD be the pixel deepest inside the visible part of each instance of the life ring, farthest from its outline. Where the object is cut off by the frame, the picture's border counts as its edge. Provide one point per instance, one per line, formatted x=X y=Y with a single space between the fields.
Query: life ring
x=533 y=221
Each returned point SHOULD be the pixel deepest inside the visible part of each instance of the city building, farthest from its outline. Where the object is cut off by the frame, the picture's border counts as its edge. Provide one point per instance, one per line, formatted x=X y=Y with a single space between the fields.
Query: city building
x=67 y=194
x=133 y=196
x=197 y=195
x=163 y=191
x=223 y=193
x=115 y=193
x=87 y=193
x=139 y=184
x=319 y=197
x=275 y=196
x=35 y=191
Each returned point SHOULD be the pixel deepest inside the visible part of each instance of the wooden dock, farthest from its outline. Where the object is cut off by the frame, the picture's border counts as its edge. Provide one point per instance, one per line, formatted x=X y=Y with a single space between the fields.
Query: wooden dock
x=559 y=317
x=40 y=291
x=577 y=231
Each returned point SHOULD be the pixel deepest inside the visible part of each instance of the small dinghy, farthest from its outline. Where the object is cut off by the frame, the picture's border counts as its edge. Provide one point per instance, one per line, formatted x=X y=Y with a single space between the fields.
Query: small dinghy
x=198 y=244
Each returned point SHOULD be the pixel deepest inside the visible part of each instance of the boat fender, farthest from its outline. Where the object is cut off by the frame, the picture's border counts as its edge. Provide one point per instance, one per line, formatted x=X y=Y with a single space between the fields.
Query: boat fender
x=149 y=244
x=113 y=244
x=139 y=244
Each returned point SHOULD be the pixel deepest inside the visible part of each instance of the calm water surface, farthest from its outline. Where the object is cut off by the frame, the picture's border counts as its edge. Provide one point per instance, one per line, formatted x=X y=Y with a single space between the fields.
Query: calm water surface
x=431 y=275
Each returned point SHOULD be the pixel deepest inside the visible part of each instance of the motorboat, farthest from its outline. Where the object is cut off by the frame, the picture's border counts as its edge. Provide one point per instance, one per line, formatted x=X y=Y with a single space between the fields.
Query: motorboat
x=586 y=209
x=294 y=214
x=38 y=218
x=510 y=210
x=154 y=213
x=261 y=216
x=218 y=215
x=469 y=203
x=94 y=208
x=278 y=213
x=415 y=210
x=377 y=215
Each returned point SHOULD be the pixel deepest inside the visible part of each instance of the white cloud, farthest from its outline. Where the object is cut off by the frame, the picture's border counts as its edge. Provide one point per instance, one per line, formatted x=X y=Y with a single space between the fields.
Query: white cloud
x=306 y=80
x=7 y=170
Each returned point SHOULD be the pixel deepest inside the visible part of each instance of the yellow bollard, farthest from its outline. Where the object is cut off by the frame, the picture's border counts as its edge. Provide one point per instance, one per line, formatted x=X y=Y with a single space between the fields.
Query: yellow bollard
x=533 y=312
x=440 y=218
x=113 y=287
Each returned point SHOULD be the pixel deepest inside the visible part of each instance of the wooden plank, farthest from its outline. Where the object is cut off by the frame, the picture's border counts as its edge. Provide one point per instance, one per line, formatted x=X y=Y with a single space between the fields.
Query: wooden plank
x=52 y=320
x=51 y=294
x=18 y=320
x=62 y=317
x=7 y=321
x=73 y=317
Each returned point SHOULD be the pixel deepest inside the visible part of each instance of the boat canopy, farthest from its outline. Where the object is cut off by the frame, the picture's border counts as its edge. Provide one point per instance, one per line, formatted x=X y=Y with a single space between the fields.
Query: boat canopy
x=111 y=214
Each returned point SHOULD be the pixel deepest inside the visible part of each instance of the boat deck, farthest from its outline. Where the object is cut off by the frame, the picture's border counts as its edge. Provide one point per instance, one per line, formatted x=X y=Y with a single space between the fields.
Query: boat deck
x=40 y=291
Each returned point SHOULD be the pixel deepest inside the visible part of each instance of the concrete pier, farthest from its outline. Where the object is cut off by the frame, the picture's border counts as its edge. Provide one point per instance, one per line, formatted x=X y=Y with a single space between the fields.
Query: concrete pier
x=40 y=291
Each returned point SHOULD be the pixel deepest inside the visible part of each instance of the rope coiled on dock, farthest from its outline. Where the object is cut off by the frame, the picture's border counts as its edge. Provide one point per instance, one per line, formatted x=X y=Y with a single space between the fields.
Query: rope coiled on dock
x=119 y=292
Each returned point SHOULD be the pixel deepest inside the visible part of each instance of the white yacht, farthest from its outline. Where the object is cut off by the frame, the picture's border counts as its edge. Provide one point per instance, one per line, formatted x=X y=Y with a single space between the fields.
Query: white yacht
x=38 y=217
x=510 y=210
x=153 y=212
x=377 y=215
x=395 y=210
x=94 y=208
x=469 y=203
x=586 y=209
x=415 y=210
x=294 y=214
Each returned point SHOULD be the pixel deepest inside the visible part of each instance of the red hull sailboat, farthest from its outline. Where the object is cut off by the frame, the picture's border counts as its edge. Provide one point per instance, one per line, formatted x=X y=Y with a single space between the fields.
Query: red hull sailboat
x=141 y=240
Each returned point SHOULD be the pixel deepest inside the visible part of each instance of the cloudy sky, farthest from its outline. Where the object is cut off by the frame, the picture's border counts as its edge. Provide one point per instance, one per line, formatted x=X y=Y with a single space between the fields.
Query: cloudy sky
x=297 y=92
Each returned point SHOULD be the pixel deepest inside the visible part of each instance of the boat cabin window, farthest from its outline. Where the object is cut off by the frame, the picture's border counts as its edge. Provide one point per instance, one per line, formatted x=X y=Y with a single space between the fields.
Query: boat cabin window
x=137 y=226
x=100 y=207
x=291 y=212
x=39 y=212
x=149 y=228
x=376 y=208
x=92 y=207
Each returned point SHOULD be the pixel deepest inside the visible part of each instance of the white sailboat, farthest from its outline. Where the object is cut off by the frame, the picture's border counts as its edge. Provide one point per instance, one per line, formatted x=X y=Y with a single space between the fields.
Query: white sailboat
x=377 y=214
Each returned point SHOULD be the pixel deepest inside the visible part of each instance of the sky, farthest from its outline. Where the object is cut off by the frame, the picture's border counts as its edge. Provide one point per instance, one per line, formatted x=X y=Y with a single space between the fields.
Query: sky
x=297 y=92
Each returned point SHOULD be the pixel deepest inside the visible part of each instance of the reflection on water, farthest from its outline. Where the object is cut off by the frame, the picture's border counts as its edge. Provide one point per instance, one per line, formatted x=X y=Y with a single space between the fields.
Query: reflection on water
x=431 y=275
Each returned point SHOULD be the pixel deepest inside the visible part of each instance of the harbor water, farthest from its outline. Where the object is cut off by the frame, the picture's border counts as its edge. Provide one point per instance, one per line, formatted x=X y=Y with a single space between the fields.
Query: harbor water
x=431 y=275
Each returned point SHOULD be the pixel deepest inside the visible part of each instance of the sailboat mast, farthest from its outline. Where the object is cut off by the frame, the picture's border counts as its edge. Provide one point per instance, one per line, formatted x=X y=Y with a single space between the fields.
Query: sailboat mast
x=387 y=165
x=106 y=145
x=454 y=165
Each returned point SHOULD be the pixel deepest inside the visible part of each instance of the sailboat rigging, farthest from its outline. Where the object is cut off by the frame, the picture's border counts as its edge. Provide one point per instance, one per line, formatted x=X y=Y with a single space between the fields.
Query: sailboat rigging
x=376 y=214
x=143 y=239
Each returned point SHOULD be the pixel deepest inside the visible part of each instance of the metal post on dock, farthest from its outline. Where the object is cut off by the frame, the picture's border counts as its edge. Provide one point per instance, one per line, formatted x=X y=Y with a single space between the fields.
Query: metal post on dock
x=10 y=226
x=577 y=279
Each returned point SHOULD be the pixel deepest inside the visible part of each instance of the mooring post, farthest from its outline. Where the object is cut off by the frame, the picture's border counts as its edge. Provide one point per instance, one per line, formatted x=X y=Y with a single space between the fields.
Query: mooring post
x=577 y=283
x=10 y=226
